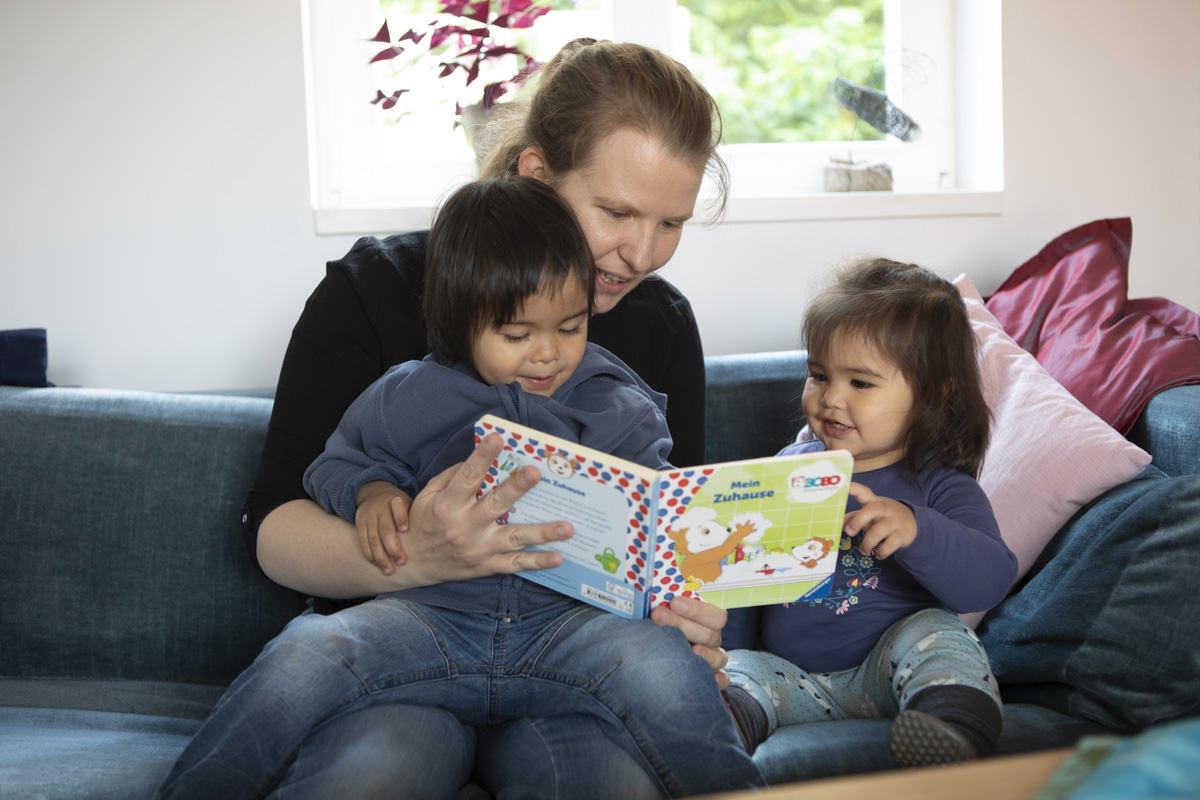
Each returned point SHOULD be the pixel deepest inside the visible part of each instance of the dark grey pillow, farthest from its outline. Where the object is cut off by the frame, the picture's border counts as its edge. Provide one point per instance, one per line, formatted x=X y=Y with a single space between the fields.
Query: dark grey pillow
x=1107 y=628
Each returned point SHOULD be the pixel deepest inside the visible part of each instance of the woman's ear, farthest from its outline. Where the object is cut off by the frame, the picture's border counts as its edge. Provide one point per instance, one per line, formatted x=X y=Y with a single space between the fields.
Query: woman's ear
x=532 y=164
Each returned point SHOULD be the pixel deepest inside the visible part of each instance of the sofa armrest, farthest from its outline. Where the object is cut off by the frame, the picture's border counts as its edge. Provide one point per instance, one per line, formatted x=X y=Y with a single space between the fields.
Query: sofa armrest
x=1167 y=429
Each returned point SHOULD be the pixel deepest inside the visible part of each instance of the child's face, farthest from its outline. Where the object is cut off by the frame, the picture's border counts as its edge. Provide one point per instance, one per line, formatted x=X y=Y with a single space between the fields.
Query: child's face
x=858 y=401
x=541 y=346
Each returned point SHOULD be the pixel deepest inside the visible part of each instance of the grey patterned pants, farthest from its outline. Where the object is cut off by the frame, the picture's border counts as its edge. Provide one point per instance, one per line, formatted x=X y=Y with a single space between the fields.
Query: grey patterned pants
x=929 y=648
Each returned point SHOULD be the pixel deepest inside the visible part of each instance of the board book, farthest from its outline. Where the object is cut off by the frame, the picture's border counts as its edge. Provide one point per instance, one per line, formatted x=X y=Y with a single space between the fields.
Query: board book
x=739 y=533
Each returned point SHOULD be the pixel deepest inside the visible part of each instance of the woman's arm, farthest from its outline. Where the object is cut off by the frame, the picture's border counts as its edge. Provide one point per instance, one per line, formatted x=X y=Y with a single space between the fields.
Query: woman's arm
x=451 y=536
x=303 y=548
x=363 y=317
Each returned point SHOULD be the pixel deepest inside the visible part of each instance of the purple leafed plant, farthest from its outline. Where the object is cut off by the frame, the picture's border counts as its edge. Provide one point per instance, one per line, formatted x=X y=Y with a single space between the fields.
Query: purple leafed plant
x=462 y=37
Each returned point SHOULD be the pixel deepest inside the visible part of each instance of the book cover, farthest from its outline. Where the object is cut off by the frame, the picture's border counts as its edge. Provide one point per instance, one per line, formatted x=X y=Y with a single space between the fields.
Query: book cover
x=739 y=533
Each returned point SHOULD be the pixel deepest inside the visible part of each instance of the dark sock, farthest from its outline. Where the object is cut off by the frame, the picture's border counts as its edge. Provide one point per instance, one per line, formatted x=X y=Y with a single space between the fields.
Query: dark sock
x=749 y=716
x=971 y=711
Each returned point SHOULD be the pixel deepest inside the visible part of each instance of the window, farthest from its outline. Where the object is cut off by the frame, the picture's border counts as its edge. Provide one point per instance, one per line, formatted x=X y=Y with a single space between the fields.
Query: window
x=938 y=60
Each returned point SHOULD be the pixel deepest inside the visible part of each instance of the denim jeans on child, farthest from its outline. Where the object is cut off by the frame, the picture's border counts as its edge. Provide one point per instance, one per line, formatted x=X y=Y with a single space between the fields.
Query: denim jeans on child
x=636 y=683
x=929 y=648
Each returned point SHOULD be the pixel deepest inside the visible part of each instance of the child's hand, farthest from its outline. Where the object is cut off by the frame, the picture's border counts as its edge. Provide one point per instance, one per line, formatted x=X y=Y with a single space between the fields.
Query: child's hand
x=887 y=524
x=381 y=516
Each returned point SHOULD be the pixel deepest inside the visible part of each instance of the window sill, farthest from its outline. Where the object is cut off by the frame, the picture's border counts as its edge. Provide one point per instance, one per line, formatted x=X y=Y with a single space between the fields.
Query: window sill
x=864 y=205
x=789 y=208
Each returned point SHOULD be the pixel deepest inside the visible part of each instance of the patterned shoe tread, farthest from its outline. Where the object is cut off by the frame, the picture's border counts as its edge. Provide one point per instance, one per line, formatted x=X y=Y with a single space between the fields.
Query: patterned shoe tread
x=917 y=739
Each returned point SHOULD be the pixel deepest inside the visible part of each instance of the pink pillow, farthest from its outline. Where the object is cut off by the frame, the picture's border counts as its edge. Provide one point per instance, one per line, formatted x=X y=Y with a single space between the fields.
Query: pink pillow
x=1049 y=455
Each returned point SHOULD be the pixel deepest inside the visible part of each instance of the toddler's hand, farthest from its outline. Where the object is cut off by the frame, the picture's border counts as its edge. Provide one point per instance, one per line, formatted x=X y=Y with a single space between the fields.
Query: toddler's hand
x=381 y=516
x=887 y=524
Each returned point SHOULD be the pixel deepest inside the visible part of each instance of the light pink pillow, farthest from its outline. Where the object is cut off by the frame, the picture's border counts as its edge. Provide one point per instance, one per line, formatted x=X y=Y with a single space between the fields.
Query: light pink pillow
x=1049 y=454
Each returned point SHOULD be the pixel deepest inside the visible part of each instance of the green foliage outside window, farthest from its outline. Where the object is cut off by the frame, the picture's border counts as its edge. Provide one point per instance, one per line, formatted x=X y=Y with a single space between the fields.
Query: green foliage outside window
x=769 y=64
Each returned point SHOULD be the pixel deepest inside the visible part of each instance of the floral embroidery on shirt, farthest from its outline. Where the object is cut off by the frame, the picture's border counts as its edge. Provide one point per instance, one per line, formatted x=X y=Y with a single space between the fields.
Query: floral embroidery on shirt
x=858 y=573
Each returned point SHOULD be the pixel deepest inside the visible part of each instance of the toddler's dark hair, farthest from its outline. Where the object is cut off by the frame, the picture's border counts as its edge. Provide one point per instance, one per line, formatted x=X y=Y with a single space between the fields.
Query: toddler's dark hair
x=918 y=321
x=493 y=244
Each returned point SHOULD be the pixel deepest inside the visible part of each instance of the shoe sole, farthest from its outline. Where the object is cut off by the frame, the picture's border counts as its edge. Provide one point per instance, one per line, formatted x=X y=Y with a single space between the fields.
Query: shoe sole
x=917 y=739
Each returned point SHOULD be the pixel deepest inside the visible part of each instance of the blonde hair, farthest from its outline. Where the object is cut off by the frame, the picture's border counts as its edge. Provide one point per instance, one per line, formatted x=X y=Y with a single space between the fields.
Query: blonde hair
x=591 y=89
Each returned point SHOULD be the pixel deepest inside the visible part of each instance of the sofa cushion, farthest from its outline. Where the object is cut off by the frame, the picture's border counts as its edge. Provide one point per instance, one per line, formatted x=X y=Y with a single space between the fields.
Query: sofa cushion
x=1049 y=455
x=147 y=698
x=847 y=747
x=70 y=754
x=1107 y=628
x=122 y=544
x=1068 y=306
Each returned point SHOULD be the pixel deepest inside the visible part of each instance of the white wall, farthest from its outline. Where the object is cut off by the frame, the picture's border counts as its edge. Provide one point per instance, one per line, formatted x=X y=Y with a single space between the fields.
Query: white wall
x=154 y=197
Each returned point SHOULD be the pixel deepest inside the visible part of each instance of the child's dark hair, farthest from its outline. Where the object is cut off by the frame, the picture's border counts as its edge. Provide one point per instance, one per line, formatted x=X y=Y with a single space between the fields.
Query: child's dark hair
x=918 y=321
x=493 y=244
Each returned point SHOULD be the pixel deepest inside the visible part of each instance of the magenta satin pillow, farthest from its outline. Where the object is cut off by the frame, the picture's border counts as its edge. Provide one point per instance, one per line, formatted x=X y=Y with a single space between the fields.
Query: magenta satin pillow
x=1068 y=306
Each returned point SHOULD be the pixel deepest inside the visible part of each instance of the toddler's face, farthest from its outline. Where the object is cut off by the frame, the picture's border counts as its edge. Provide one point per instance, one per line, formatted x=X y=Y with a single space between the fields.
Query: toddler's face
x=541 y=346
x=857 y=400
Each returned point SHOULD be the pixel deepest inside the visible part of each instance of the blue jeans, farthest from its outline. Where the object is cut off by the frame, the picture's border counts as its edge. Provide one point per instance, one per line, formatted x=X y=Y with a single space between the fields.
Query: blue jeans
x=389 y=751
x=482 y=695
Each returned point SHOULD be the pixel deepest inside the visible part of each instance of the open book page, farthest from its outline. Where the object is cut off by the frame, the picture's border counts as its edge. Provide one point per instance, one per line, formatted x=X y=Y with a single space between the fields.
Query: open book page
x=754 y=532
x=739 y=533
x=605 y=498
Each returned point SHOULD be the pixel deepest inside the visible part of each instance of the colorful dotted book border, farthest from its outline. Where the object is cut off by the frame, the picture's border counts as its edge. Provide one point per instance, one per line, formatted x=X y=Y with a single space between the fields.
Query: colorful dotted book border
x=673 y=499
x=634 y=489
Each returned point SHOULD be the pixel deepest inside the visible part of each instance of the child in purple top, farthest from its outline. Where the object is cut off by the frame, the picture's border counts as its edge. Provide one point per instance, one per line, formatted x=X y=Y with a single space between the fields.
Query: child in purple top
x=893 y=378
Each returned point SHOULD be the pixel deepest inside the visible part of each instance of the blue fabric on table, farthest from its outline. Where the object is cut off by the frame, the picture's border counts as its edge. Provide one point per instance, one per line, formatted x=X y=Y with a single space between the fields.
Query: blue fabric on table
x=23 y=357
x=1107 y=628
x=1159 y=764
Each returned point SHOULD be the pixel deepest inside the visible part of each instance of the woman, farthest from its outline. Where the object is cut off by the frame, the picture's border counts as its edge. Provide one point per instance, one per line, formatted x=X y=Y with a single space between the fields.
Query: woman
x=626 y=136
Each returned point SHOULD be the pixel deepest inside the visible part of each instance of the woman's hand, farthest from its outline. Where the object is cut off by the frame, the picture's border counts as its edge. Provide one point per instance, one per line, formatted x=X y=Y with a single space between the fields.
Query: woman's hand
x=452 y=536
x=701 y=623
x=381 y=517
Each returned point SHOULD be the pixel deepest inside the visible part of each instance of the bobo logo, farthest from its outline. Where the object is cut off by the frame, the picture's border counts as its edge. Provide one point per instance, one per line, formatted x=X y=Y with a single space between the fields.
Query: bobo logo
x=815 y=482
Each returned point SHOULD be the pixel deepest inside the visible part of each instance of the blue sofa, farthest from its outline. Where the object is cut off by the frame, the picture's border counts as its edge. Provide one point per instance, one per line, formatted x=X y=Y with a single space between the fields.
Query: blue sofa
x=127 y=601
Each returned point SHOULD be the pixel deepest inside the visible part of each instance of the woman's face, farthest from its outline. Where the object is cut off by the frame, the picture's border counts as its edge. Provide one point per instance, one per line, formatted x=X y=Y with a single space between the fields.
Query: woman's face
x=632 y=201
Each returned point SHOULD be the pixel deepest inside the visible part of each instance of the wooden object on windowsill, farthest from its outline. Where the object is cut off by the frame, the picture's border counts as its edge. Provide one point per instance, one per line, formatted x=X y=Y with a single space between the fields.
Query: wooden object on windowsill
x=850 y=176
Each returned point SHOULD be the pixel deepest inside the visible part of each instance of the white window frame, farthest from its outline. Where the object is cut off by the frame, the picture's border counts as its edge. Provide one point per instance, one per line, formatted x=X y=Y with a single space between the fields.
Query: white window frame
x=955 y=168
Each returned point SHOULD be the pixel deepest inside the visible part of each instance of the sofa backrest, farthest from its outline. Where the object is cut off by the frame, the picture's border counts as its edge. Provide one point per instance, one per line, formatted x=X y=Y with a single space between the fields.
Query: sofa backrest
x=121 y=551
x=122 y=554
x=120 y=544
x=752 y=404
